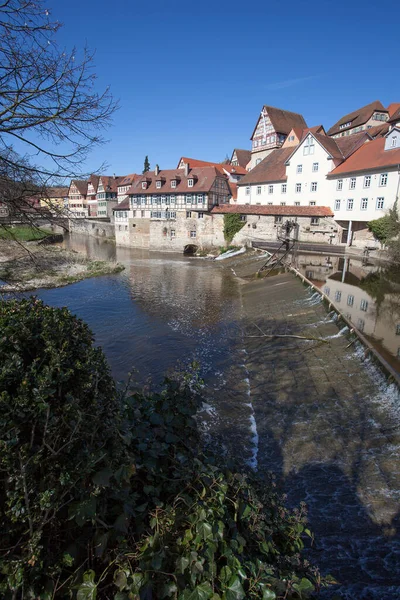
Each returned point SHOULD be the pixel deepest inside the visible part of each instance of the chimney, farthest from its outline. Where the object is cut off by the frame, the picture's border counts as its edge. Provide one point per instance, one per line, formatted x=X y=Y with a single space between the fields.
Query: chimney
x=186 y=169
x=156 y=170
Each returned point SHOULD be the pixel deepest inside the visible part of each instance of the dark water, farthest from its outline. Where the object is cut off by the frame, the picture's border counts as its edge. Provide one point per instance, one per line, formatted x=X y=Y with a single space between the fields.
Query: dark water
x=165 y=309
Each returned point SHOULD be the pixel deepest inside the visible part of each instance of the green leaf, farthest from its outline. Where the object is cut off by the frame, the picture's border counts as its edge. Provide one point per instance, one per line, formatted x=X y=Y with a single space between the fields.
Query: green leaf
x=201 y=592
x=120 y=579
x=204 y=529
x=88 y=589
x=121 y=596
x=181 y=564
x=268 y=594
x=102 y=478
x=168 y=590
x=225 y=574
x=235 y=590
x=304 y=586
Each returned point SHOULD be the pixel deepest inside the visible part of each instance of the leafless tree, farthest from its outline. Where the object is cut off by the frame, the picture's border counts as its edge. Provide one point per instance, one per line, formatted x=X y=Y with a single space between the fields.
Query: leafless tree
x=51 y=115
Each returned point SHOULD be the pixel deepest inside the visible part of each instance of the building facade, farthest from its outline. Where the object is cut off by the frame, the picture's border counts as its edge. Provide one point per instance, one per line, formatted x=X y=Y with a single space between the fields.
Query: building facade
x=77 y=199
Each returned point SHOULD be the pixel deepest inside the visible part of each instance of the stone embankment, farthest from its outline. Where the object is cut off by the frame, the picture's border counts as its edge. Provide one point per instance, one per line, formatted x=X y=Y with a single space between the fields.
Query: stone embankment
x=30 y=266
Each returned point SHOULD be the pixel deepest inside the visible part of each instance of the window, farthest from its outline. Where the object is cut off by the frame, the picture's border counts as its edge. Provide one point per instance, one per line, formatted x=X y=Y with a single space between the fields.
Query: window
x=193 y=233
x=367 y=181
x=188 y=214
x=243 y=217
x=308 y=147
x=283 y=188
x=259 y=189
x=143 y=213
x=158 y=185
x=173 y=183
x=338 y=296
x=314 y=220
x=299 y=169
x=270 y=189
x=337 y=204
x=247 y=190
x=364 y=305
x=360 y=324
x=398 y=329
x=297 y=203
x=339 y=185
x=313 y=186
x=200 y=198
x=188 y=198
x=298 y=188
x=352 y=184
x=164 y=200
x=172 y=198
x=278 y=219
x=383 y=179
x=364 y=203
x=172 y=233
x=327 y=290
x=144 y=185
x=312 y=203
x=350 y=204
x=283 y=203
x=258 y=161
x=190 y=182
x=200 y=215
x=379 y=203
x=315 y=167
x=143 y=200
x=394 y=141
x=350 y=300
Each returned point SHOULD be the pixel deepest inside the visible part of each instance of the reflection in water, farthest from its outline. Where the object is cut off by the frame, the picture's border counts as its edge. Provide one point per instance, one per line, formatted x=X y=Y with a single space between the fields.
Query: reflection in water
x=324 y=421
x=366 y=293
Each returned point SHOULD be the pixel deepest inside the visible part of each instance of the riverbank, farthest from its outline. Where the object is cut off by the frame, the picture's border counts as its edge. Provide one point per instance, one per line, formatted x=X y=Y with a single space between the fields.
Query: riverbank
x=29 y=266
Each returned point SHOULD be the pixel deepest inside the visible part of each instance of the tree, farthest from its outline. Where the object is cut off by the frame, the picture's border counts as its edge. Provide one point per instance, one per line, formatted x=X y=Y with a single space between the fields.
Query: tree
x=49 y=107
x=387 y=227
x=146 y=164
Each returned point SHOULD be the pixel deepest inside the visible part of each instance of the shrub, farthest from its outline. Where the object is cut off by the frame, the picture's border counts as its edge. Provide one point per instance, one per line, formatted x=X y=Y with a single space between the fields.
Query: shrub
x=112 y=496
x=232 y=224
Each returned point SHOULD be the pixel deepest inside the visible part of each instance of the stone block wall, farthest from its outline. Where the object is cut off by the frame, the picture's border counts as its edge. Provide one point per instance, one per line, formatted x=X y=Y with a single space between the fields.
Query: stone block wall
x=94 y=228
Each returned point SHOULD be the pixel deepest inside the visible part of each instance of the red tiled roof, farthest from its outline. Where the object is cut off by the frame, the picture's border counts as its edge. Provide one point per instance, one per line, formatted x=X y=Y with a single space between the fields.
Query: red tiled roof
x=377 y=131
x=243 y=157
x=204 y=178
x=357 y=117
x=272 y=168
x=110 y=184
x=128 y=179
x=193 y=162
x=233 y=187
x=349 y=143
x=330 y=145
x=124 y=205
x=94 y=180
x=290 y=211
x=81 y=185
x=395 y=116
x=369 y=156
x=283 y=121
x=315 y=129
x=393 y=108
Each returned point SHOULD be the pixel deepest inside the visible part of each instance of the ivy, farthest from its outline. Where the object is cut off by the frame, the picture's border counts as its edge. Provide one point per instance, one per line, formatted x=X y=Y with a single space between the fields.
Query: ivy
x=232 y=224
x=110 y=495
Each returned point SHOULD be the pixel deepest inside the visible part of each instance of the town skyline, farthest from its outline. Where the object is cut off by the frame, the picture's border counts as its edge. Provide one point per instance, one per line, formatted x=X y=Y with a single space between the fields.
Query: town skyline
x=208 y=70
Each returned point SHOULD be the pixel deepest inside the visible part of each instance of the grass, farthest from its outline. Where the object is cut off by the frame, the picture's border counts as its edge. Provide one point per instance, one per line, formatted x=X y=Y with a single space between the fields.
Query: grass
x=23 y=233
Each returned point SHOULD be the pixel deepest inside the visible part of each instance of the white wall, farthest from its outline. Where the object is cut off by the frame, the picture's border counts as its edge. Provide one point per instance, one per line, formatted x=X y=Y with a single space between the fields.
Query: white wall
x=376 y=190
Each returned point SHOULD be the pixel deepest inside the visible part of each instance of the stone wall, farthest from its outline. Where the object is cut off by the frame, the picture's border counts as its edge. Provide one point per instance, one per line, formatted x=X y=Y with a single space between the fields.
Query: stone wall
x=263 y=228
x=94 y=228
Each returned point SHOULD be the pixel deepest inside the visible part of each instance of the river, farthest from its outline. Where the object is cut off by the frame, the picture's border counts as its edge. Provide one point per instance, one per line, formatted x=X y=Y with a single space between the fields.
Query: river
x=325 y=422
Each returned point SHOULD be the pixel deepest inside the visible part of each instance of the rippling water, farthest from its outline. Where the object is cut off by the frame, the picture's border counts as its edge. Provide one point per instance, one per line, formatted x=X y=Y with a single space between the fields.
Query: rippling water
x=339 y=453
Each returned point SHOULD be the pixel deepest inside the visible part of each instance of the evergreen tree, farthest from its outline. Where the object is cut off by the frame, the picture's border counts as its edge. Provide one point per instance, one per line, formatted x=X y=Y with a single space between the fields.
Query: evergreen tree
x=146 y=165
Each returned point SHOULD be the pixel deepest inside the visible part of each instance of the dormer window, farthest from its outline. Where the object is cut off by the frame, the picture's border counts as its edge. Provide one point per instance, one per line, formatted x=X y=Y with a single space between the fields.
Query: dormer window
x=144 y=185
x=173 y=183
x=394 y=141
x=345 y=125
x=158 y=185
x=190 y=182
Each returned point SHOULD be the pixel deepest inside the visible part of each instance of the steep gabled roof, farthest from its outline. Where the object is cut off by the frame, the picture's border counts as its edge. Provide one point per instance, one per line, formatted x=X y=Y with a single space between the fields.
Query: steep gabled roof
x=110 y=183
x=395 y=116
x=393 y=108
x=328 y=143
x=283 y=121
x=271 y=169
x=272 y=210
x=94 y=180
x=124 y=205
x=369 y=156
x=128 y=179
x=243 y=157
x=194 y=162
x=357 y=117
x=81 y=185
x=377 y=130
x=350 y=143
x=204 y=179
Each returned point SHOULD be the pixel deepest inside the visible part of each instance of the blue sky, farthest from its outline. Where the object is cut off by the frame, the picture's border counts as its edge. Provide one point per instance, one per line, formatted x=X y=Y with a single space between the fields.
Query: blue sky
x=191 y=78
